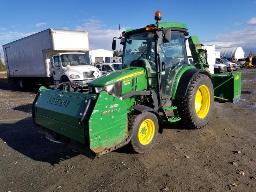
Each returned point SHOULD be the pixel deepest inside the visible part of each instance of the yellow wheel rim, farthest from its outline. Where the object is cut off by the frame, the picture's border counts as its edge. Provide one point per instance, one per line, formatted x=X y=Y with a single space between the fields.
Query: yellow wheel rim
x=146 y=131
x=202 y=101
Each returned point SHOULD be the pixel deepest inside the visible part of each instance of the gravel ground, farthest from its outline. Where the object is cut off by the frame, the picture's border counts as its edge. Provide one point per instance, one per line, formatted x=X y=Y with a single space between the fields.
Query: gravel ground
x=220 y=157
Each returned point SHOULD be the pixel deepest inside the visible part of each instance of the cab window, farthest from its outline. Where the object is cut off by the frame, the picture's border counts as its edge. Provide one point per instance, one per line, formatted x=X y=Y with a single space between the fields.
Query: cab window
x=173 y=53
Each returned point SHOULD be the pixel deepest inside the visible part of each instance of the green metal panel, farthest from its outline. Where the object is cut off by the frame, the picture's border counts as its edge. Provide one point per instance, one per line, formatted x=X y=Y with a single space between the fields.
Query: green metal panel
x=138 y=83
x=199 y=55
x=227 y=86
x=108 y=125
x=179 y=72
x=195 y=40
x=167 y=25
x=61 y=112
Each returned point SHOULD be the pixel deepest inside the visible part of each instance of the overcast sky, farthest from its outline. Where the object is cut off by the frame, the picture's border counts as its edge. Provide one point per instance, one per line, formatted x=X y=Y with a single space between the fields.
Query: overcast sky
x=223 y=22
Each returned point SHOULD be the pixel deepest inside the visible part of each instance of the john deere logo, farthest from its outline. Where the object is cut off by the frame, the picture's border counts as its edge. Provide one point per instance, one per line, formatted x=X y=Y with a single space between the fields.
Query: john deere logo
x=61 y=102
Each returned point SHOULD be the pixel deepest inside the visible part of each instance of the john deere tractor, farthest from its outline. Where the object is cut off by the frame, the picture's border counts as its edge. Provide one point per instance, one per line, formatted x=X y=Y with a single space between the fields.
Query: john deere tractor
x=158 y=83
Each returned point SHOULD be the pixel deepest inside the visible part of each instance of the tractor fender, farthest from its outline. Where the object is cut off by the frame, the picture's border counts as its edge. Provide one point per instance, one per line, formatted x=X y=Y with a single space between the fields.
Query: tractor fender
x=177 y=78
x=184 y=82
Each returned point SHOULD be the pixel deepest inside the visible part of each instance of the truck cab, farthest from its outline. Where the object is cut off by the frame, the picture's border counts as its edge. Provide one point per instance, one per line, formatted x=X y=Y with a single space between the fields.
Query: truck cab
x=73 y=67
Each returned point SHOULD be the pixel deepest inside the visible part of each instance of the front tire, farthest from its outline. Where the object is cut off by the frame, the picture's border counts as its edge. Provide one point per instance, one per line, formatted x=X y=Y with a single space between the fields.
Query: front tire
x=145 y=130
x=195 y=107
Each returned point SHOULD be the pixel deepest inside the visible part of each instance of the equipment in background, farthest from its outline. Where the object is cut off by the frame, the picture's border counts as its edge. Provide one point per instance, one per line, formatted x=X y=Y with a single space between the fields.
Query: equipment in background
x=50 y=57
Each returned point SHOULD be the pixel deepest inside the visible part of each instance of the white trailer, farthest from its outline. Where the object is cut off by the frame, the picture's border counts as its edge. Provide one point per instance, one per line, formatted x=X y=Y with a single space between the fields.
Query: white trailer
x=100 y=56
x=50 y=55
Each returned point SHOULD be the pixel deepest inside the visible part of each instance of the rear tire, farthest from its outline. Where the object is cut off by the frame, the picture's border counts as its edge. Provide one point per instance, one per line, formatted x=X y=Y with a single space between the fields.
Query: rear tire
x=195 y=107
x=145 y=130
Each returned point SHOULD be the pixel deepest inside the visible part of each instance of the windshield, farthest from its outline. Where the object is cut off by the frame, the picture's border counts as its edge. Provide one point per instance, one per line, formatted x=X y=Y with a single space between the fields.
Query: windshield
x=173 y=53
x=139 y=46
x=74 y=59
x=117 y=66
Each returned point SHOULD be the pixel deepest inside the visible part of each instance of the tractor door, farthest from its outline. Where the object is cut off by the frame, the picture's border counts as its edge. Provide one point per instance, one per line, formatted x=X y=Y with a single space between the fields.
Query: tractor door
x=172 y=56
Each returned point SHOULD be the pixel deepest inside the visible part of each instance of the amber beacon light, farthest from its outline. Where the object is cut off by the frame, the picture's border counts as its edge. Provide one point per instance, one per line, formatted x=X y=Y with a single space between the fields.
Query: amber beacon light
x=157 y=16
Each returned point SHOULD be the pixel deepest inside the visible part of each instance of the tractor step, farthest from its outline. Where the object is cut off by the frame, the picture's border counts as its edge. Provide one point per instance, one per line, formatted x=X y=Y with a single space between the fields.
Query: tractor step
x=174 y=119
x=169 y=108
x=171 y=113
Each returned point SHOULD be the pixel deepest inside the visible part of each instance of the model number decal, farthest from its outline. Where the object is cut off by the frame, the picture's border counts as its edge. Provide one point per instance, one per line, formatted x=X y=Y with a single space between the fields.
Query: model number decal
x=59 y=101
x=109 y=111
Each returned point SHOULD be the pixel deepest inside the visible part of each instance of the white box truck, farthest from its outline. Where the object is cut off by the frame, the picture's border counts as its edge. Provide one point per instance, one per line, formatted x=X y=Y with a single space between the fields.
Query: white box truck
x=50 y=56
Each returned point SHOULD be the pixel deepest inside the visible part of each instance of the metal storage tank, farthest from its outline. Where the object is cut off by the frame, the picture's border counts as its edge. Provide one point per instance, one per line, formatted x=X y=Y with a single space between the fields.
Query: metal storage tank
x=233 y=53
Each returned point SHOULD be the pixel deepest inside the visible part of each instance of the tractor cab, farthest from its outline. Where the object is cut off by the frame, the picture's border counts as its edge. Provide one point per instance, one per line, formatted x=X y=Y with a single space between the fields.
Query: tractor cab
x=158 y=48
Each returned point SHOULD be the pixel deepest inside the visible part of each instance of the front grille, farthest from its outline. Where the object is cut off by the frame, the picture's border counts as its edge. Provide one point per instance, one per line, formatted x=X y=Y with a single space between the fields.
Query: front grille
x=89 y=74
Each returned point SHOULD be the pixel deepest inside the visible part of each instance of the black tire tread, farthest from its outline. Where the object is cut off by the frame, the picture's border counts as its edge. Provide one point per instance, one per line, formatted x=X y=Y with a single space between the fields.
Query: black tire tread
x=184 y=103
x=135 y=123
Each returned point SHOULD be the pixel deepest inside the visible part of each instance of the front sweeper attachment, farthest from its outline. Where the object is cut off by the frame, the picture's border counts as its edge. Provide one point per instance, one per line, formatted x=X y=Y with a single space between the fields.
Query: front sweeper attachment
x=97 y=120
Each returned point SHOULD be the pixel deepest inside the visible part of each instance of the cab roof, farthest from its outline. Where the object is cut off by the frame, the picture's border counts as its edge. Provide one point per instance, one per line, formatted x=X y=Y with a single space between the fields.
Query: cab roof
x=164 y=25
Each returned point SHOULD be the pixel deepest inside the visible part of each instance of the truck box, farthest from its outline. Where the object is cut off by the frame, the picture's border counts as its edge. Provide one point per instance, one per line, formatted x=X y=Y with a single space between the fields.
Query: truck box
x=30 y=56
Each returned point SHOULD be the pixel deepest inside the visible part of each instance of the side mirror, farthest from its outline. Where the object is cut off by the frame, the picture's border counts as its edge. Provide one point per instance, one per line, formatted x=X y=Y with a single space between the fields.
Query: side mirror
x=114 y=44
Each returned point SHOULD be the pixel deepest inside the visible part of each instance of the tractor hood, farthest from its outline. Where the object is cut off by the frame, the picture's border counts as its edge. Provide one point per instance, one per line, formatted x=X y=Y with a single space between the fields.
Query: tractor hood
x=117 y=76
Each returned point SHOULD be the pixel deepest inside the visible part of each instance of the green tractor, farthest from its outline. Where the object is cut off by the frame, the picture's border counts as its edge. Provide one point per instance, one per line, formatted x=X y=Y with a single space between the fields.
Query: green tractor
x=157 y=84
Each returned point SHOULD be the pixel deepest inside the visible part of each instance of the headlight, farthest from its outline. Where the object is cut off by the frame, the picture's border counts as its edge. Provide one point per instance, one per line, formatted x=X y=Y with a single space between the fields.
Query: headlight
x=109 y=88
x=98 y=89
x=73 y=76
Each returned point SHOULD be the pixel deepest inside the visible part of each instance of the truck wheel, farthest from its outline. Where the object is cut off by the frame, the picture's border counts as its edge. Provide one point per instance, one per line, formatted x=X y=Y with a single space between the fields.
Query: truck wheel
x=21 y=84
x=64 y=79
x=195 y=107
x=145 y=129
